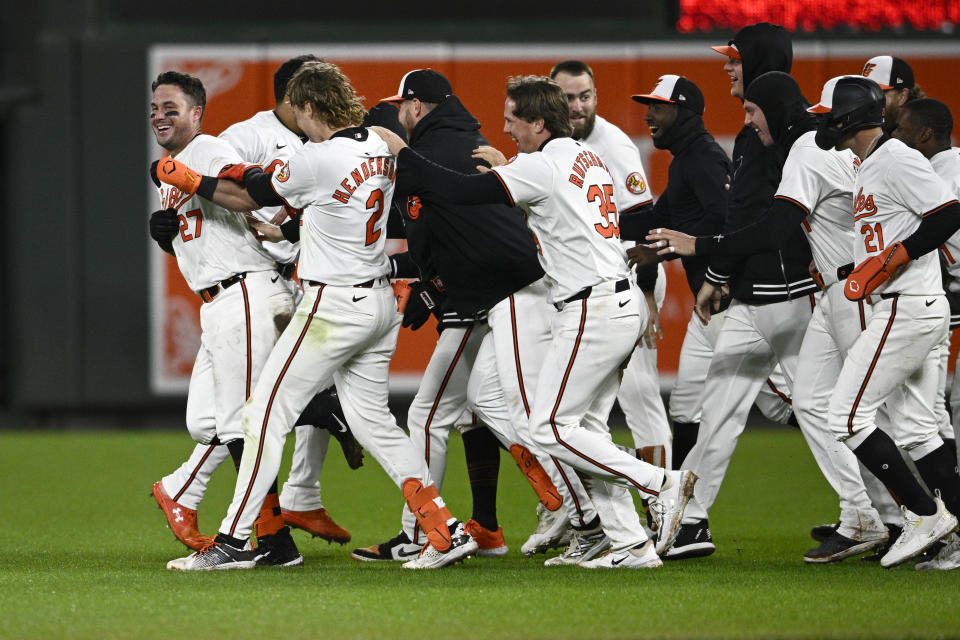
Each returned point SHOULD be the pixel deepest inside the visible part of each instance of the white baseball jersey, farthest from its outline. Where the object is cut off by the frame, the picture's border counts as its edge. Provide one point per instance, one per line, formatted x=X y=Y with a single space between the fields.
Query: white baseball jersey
x=264 y=140
x=946 y=164
x=579 y=245
x=213 y=244
x=821 y=182
x=894 y=189
x=344 y=186
x=623 y=160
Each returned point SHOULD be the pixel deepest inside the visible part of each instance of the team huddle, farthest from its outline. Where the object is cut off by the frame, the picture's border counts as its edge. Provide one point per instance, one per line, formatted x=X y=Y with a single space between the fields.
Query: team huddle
x=818 y=257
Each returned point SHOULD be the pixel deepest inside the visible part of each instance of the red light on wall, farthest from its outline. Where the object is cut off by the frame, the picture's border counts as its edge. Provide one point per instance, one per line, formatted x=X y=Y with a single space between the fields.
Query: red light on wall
x=810 y=15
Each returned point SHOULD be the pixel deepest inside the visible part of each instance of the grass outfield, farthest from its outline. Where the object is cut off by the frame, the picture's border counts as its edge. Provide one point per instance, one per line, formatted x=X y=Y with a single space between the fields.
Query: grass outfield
x=86 y=546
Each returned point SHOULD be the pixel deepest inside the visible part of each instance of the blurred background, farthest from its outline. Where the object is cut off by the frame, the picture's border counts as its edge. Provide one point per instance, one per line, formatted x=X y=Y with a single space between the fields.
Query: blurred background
x=96 y=327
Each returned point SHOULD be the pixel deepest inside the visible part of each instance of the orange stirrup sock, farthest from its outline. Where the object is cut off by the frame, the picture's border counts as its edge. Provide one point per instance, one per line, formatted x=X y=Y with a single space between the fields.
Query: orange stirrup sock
x=270 y=521
x=537 y=477
x=431 y=512
x=654 y=454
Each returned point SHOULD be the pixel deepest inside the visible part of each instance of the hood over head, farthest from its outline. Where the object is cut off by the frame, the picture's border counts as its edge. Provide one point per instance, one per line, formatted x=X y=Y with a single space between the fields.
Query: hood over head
x=762 y=47
x=783 y=105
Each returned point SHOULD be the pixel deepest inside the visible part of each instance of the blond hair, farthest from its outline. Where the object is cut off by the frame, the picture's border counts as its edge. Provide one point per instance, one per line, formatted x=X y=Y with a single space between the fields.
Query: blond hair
x=325 y=87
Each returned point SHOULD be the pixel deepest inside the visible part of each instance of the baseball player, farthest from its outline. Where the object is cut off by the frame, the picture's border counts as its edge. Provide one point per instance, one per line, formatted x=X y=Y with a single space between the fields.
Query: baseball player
x=925 y=125
x=457 y=262
x=269 y=138
x=639 y=394
x=244 y=299
x=695 y=201
x=502 y=254
x=773 y=293
x=345 y=327
x=895 y=77
x=815 y=190
x=899 y=197
x=567 y=194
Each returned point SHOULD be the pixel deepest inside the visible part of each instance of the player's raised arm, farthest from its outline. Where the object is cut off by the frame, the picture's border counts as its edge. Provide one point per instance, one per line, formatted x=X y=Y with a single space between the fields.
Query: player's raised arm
x=458 y=188
x=227 y=191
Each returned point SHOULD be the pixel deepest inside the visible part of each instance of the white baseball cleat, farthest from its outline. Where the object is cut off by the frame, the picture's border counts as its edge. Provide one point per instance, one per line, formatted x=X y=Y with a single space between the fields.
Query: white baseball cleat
x=946 y=559
x=642 y=556
x=669 y=505
x=549 y=533
x=919 y=534
x=583 y=545
x=462 y=545
x=217 y=555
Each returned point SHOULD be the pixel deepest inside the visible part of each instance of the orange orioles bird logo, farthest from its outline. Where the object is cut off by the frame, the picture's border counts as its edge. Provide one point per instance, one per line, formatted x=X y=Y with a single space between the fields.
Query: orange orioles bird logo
x=284 y=174
x=413 y=207
x=635 y=183
x=867 y=68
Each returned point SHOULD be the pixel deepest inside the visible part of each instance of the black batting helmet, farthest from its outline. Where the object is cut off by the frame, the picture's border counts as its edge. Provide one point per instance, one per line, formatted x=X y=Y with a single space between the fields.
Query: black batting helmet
x=847 y=105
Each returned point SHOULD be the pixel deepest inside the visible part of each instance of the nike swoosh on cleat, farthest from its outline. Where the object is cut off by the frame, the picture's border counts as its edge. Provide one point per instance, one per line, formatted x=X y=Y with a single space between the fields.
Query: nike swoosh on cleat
x=617 y=561
x=343 y=427
x=407 y=554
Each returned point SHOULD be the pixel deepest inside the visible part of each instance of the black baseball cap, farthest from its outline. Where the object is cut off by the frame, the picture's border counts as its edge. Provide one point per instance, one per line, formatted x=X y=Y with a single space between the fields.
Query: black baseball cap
x=890 y=72
x=425 y=85
x=675 y=90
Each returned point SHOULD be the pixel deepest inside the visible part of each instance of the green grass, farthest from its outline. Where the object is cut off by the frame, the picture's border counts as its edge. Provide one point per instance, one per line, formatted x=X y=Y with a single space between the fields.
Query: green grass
x=85 y=549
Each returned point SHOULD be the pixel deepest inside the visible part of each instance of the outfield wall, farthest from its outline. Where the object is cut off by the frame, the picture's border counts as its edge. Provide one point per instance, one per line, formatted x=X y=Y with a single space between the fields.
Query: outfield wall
x=76 y=285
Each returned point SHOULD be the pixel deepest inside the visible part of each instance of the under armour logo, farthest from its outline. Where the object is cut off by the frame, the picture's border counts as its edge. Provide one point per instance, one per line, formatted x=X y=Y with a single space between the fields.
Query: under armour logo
x=176 y=512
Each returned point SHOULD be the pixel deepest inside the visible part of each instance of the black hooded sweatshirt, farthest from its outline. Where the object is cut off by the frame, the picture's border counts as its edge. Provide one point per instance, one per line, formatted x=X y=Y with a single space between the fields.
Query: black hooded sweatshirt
x=777 y=275
x=695 y=200
x=785 y=110
x=482 y=253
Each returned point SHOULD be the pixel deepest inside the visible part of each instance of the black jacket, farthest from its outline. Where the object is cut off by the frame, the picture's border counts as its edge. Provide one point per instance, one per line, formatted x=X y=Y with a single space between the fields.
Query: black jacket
x=481 y=254
x=695 y=200
x=777 y=275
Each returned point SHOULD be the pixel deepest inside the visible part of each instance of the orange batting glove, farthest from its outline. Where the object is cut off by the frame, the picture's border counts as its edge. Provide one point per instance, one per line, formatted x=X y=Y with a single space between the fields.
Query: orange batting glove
x=401 y=289
x=178 y=175
x=874 y=271
x=237 y=172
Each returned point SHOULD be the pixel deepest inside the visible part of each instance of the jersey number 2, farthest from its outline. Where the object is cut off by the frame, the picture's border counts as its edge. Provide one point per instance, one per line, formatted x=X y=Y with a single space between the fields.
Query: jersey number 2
x=871 y=231
x=374 y=203
x=185 y=232
x=608 y=228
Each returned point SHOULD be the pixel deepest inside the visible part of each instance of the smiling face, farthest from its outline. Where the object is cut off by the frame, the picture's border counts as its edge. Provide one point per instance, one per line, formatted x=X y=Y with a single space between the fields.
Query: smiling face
x=528 y=135
x=174 y=121
x=755 y=118
x=582 y=98
x=660 y=117
x=734 y=69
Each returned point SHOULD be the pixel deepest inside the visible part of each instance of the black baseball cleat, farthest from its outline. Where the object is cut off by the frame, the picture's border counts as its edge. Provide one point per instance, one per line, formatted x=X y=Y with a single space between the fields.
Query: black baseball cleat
x=278 y=550
x=838 y=546
x=822 y=532
x=324 y=412
x=894 y=532
x=222 y=552
x=693 y=541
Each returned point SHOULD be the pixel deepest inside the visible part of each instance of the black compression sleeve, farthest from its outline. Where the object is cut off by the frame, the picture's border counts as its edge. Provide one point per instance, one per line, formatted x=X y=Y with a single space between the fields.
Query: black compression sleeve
x=402 y=266
x=647 y=278
x=258 y=185
x=935 y=228
x=458 y=188
x=766 y=234
x=291 y=230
